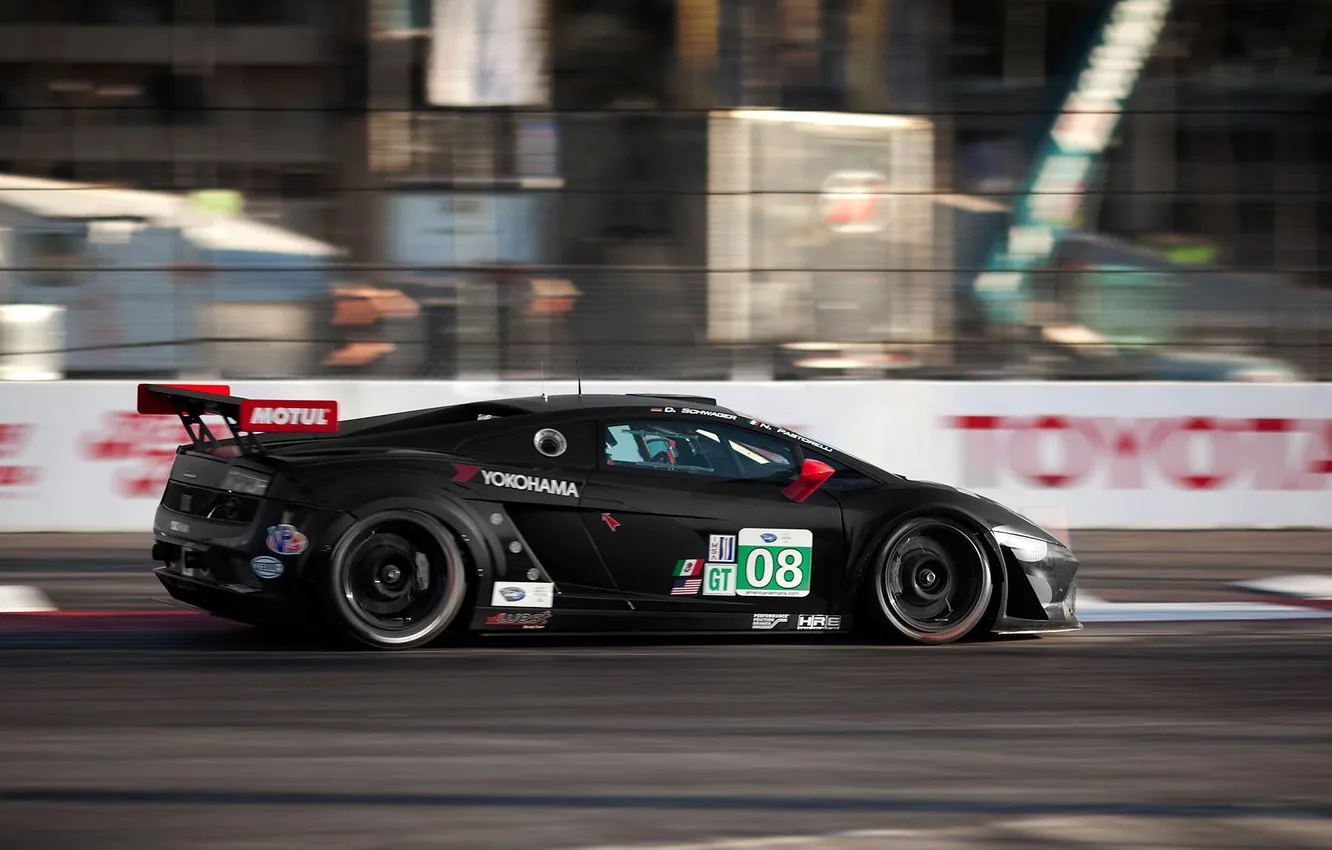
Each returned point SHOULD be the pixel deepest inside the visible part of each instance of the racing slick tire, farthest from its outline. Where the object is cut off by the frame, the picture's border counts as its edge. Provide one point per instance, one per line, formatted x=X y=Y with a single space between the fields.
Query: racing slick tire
x=396 y=580
x=933 y=582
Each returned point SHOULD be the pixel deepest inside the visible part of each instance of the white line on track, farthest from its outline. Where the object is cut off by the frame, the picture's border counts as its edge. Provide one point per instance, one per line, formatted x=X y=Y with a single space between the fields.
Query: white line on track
x=23 y=599
x=1301 y=587
x=1085 y=831
x=1092 y=609
x=764 y=842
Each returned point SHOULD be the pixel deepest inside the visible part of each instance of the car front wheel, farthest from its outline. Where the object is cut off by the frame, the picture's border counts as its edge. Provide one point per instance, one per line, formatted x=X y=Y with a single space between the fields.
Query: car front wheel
x=933 y=581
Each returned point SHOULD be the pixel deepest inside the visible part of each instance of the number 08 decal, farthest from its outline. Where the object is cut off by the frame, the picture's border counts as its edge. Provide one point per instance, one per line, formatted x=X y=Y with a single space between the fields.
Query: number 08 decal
x=774 y=561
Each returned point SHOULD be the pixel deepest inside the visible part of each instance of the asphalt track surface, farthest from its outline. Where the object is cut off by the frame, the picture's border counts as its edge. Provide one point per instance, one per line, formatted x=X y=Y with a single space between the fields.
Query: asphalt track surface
x=127 y=730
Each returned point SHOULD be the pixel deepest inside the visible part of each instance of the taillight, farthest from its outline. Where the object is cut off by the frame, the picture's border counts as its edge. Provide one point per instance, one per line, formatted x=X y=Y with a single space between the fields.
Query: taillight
x=246 y=481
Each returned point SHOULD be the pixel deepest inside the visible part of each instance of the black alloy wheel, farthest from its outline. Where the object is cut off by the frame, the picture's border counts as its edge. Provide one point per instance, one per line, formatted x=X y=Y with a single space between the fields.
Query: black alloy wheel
x=933 y=581
x=397 y=580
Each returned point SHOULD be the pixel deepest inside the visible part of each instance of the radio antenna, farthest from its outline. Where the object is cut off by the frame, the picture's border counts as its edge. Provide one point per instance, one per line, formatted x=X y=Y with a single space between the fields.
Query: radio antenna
x=578 y=373
x=543 y=381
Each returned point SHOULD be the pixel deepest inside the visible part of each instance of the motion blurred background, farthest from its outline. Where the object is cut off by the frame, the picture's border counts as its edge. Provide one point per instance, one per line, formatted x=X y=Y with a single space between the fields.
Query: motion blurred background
x=1070 y=254
x=666 y=189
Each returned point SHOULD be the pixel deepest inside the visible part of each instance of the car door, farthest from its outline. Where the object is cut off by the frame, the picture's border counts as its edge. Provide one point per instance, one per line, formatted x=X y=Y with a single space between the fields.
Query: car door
x=548 y=519
x=689 y=516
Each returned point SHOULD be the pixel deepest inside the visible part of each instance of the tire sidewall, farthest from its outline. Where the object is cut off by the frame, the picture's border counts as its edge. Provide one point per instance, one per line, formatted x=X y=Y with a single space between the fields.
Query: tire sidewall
x=889 y=619
x=343 y=612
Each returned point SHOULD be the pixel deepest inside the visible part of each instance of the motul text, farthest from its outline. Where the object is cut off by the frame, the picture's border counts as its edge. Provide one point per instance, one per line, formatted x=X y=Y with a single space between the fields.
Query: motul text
x=1190 y=453
x=290 y=416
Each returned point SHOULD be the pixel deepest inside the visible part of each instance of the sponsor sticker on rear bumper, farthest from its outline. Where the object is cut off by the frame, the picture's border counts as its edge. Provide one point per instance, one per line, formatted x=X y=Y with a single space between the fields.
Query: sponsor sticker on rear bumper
x=286 y=540
x=266 y=567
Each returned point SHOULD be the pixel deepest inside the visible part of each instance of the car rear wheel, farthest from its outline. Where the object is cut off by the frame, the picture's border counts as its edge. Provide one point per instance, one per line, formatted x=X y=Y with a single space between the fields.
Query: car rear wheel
x=933 y=581
x=396 y=580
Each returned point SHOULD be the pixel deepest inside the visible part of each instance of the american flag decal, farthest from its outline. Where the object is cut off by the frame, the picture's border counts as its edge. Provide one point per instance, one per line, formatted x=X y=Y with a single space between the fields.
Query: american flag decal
x=687 y=586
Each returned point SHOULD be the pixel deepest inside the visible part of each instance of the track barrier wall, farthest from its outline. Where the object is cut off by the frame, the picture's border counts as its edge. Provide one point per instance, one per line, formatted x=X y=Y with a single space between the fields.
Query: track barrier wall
x=74 y=456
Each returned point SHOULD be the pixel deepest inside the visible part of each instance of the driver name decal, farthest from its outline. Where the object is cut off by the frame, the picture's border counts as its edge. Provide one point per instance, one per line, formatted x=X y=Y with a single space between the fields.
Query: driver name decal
x=803 y=439
x=693 y=411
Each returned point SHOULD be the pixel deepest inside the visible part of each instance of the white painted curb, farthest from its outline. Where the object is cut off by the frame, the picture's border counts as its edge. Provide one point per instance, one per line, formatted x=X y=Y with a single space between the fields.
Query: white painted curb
x=1300 y=587
x=1092 y=609
x=22 y=599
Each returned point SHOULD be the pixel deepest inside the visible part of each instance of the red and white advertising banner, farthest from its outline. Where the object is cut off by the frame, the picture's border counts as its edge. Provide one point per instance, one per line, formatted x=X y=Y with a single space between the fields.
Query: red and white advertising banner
x=75 y=456
x=1145 y=456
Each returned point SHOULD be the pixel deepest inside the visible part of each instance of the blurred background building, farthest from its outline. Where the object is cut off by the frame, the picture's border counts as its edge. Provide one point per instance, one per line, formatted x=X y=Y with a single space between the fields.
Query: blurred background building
x=1044 y=189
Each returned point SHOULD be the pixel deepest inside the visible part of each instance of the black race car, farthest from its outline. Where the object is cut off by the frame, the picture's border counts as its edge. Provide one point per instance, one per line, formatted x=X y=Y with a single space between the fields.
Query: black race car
x=578 y=513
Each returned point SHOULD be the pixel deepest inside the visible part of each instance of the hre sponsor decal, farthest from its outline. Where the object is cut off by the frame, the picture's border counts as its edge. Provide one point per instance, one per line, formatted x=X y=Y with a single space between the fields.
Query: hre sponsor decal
x=143 y=446
x=14 y=438
x=818 y=623
x=1188 y=453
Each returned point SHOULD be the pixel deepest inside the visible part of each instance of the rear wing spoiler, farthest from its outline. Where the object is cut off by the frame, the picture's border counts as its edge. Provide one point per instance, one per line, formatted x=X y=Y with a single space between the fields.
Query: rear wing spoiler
x=245 y=418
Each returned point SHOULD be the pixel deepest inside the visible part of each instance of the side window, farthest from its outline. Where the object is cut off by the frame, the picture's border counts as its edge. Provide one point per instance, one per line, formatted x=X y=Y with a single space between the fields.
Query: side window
x=696 y=448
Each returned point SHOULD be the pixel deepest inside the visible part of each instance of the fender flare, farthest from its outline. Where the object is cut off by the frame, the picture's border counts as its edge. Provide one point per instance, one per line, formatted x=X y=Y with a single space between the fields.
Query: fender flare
x=478 y=546
x=861 y=565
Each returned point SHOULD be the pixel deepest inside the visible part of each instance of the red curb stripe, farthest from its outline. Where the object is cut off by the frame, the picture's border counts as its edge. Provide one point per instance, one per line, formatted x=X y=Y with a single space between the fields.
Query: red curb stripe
x=57 y=621
x=105 y=614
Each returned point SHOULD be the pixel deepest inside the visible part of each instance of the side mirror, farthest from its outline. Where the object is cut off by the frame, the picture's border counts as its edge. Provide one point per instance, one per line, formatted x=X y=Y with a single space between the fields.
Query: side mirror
x=812 y=475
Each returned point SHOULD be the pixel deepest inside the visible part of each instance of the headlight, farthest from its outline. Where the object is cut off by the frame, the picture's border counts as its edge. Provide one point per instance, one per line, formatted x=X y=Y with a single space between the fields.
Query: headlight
x=1024 y=548
x=245 y=481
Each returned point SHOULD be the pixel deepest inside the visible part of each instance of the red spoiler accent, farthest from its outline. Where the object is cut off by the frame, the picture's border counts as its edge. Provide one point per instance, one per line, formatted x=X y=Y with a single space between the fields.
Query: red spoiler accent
x=155 y=399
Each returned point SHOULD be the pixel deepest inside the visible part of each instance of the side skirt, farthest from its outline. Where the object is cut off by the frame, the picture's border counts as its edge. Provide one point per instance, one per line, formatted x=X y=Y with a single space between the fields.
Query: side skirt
x=515 y=620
